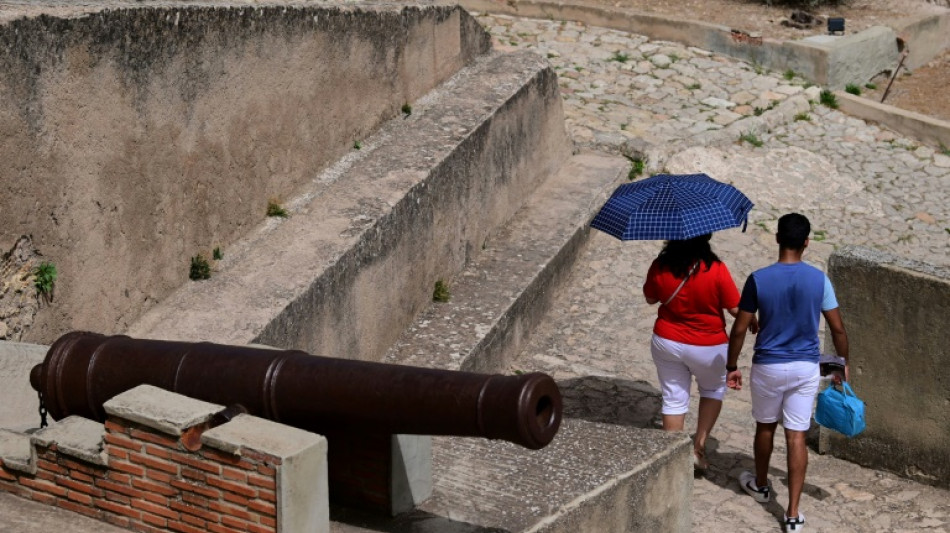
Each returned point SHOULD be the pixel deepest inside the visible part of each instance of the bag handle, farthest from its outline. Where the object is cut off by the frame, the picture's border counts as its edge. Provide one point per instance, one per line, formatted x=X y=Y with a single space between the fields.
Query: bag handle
x=677 y=291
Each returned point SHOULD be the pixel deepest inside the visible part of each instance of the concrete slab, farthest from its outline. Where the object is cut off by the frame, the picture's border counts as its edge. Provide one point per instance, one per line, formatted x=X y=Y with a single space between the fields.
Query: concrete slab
x=160 y=409
x=75 y=436
x=20 y=405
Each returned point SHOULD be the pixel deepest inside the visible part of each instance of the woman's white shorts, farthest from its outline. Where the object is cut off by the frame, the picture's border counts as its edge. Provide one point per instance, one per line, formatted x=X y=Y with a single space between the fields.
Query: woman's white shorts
x=676 y=364
x=785 y=390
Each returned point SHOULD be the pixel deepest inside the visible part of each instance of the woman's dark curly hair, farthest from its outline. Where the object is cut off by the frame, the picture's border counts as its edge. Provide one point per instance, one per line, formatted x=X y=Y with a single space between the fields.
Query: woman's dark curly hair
x=679 y=256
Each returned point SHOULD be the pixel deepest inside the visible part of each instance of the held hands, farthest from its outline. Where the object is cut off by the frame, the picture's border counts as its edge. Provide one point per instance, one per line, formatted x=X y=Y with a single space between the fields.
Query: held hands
x=734 y=380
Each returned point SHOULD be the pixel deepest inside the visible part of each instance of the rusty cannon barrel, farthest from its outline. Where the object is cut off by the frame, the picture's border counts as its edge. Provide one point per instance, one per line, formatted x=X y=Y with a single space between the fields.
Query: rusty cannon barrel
x=83 y=370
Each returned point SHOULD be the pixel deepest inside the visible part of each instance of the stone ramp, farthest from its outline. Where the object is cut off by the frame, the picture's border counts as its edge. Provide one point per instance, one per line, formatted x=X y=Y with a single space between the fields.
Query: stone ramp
x=496 y=301
x=427 y=190
x=592 y=477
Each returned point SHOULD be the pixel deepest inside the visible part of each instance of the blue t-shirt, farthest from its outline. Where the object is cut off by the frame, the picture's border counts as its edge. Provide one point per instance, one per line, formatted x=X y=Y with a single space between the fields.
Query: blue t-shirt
x=789 y=298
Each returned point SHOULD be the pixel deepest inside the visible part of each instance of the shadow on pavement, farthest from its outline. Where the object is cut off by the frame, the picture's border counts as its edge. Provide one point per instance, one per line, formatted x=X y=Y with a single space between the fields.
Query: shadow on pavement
x=611 y=401
x=415 y=521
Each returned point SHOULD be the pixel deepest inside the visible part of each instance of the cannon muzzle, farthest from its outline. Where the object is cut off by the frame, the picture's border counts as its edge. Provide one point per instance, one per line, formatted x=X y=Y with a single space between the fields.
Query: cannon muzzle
x=321 y=394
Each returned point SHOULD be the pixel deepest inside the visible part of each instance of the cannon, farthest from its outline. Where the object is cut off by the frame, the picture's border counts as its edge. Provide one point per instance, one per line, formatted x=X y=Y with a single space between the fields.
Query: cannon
x=324 y=395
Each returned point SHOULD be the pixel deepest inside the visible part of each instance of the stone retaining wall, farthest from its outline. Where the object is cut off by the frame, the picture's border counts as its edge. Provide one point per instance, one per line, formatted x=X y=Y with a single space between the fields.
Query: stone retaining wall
x=896 y=312
x=138 y=138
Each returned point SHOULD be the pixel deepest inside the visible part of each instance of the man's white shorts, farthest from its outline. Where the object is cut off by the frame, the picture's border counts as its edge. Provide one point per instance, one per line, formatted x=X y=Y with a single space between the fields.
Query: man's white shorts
x=677 y=363
x=784 y=392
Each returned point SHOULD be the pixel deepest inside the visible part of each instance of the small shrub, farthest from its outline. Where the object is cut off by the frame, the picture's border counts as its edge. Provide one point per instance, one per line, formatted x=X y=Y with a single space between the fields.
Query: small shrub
x=441 y=292
x=44 y=277
x=751 y=139
x=274 y=209
x=870 y=86
x=829 y=99
x=803 y=116
x=819 y=235
x=758 y=111
x=619 y=57
x=852 y=89
x=406 y=109
x=357 y=145
x=694 y=86
x=217 y=255
x=637 y=164
x=789 y=75
x=200 y=269
x=944 y=150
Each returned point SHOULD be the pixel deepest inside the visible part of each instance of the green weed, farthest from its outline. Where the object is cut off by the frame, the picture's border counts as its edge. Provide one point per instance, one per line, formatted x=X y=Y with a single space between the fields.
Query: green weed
x=217 y=255
x=441 y=292
x=694 y=86
x=751 y=138
x=637 y=165
x=619 y=57
x=819 y=235
x=406 y=109
x=870 y=86
x=357 y=145
x=200 y=269
x=852 y=89
x=789 y=75
x=829 y=99
x=44 y=277
x=274 y=209
x=803 y=116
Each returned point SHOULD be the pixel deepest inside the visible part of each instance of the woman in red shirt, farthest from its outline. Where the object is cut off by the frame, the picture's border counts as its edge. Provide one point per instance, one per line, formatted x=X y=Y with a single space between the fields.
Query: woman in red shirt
x=689 y=337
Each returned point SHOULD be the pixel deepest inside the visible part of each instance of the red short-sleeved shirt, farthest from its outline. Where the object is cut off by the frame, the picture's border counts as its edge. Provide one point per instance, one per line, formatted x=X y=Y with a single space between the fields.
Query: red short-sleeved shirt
x=695 y=316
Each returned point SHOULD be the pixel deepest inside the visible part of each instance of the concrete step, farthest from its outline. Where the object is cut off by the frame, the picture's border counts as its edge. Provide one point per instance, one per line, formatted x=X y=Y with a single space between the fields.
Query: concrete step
x=500 y=297
x=593 y=477
x=359 y=255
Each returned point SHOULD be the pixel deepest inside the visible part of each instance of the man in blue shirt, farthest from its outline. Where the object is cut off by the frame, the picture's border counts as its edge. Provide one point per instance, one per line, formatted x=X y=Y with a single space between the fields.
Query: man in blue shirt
x=789 y=296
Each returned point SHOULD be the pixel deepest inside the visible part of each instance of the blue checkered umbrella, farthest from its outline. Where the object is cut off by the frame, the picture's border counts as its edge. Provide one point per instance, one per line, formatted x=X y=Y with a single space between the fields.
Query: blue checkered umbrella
x=672 y=207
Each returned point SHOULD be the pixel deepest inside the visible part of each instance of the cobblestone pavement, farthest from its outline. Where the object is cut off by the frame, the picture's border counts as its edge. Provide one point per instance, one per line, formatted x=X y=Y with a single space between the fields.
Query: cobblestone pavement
x=683 y=110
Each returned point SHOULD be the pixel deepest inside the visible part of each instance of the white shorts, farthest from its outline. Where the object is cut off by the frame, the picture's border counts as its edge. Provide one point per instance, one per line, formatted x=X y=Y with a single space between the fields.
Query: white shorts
x=676 y=364
x=785 y=390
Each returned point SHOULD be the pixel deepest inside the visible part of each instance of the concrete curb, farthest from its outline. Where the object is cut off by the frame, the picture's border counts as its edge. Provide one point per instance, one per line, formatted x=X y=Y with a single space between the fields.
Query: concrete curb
x=921 y=127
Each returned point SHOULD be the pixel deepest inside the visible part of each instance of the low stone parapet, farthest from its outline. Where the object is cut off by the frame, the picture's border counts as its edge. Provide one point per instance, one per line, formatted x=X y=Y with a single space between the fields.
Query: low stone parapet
x=896 y=314
x=157 y=465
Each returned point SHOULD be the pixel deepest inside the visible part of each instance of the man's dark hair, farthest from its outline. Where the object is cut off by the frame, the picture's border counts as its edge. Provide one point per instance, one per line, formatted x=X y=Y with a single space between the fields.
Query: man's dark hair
x=793 y=230
x=679 y=256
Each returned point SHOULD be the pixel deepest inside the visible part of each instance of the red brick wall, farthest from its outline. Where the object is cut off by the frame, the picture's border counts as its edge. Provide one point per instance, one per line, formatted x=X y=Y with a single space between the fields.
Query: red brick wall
x=153 y=484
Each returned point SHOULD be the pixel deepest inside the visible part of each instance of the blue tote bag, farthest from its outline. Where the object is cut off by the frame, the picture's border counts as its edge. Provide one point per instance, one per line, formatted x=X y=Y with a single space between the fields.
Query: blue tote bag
x=840 y=410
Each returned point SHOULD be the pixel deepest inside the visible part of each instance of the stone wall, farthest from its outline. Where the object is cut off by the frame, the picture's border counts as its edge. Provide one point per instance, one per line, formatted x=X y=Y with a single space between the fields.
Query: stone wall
x=137 y=138
x=896 y=312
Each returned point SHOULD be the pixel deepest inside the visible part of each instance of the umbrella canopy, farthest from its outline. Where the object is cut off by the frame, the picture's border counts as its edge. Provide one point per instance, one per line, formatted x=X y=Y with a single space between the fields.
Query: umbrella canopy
x=672 y=207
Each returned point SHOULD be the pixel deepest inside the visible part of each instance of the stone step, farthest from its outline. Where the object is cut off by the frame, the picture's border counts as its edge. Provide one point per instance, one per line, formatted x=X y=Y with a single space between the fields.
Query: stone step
x=500 y=297
x=592 y=477
x=359 y=255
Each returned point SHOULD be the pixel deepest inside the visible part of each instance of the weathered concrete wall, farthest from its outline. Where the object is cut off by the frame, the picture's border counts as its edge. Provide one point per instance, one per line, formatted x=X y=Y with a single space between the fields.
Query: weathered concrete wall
x=133 y=139
x=896 y=312
x=926 y=37
x=358 y=259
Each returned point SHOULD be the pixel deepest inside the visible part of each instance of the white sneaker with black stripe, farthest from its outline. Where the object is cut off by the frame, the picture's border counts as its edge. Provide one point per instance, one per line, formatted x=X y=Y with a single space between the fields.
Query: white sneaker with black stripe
x=760 y=494
x=795 y=524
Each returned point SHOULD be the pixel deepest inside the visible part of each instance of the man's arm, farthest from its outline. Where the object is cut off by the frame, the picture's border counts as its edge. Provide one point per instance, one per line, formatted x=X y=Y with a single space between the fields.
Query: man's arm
x=839 y=337
x=736 y=339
